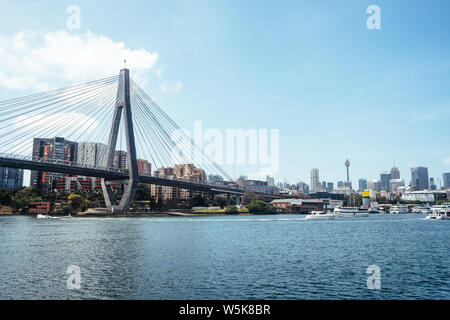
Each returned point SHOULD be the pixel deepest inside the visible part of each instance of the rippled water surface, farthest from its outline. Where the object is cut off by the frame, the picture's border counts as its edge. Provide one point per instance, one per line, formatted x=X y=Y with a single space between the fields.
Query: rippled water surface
x=242 y=257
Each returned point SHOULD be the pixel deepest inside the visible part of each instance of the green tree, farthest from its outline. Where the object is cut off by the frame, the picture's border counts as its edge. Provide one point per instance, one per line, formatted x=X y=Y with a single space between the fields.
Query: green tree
x=249 y=197
x=6 y=197
x=261 y=207
x=24 y=196
x=232 y=210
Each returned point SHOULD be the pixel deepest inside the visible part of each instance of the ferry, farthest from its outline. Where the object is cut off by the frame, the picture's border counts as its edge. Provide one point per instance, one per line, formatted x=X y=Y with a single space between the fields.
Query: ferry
x=319 y=215
x=351 y=212
x=440 y=212
x=399 y=209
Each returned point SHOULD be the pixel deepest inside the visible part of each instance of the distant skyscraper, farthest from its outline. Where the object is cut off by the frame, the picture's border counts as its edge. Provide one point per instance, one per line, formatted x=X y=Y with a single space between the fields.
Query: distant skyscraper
x=362 y=185
x=446 y=178
x=330 y=187
x=395 y=173
x=315 y=184
x=374 y=185
x=395 y=184
x=324 y=185
x=303 y=188
x=11 y=178
x=432 y=184
x=385 y=179
x=419 y=178
x=340 y=184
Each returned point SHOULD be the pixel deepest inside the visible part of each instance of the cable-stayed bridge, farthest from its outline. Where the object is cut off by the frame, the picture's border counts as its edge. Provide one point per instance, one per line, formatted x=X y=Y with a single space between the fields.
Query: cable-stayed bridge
x=115 y=113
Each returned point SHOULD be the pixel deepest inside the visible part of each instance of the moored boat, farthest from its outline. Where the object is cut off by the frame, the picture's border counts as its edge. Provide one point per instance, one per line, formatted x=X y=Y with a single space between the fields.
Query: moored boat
x=351 y=212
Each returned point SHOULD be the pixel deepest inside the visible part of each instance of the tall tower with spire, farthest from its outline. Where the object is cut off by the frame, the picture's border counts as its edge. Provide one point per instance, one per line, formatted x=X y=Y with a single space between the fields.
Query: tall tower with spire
x=347 y=164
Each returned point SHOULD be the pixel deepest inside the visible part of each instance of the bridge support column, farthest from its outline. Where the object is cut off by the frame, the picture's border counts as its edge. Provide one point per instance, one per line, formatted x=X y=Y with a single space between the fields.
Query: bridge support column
x=238 y=200
x=122 y=104
x=228 y=199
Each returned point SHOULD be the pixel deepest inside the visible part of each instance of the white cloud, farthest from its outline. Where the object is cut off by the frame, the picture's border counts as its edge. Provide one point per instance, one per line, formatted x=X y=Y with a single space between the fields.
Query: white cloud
x=40 y=60
x=177 y=87
x=446 y=161
x=163 y=87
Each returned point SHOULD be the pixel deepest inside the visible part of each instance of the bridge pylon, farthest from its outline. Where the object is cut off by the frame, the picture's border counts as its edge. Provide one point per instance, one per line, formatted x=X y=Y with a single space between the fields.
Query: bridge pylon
x=123 y=105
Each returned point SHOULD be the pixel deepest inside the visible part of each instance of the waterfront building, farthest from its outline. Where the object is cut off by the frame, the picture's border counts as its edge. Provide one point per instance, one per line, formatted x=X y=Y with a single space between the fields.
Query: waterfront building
x=180 y=171
x=385 y=177
x=92 y=154
x=51 y=150
x=11 y=178
x=144 y=167
x=362 y=185
x=419 y=178
x=120 y=160
x=424 y=196
x=395 y=173
x=446 y=180
x=257 y=186
x=315 y=184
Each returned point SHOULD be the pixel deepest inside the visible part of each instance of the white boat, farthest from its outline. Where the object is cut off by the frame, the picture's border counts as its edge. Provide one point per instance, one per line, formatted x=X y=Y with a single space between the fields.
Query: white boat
x=45 y=216
x=350 y=212
x=397 y=209
x=439 y=212
x=319 y=215
x=421 y=209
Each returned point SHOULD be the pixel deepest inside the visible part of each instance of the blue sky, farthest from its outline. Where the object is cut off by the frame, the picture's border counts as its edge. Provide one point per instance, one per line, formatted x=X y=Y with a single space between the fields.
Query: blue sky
x=312 y=69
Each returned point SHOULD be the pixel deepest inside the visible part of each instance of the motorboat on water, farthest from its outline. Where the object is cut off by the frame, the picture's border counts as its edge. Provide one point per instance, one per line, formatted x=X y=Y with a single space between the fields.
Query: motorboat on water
x=440 y=212
x=421 y=209
x=350 y=212
x=398 y=209
x=320 y=215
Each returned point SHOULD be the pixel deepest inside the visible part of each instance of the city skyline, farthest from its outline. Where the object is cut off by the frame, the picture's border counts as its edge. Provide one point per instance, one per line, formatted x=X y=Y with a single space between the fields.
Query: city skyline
x=389 y=112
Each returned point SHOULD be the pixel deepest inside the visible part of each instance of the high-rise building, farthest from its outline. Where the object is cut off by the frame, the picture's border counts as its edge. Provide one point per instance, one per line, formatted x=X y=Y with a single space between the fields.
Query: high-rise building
x=330 y=187
x=340 y=184
x=315 y=184
x=303 y=187
x=120 y=160
x=395 y=184
x=374 y=185
x=362 y=185
x=50 y=150
x=11 y=178
x=419 y=179
x=92 y=154
x=144 y=167
x=432 y=184
x=324 y=186
x=385 y=179
x=395 y=173
x=446 y=178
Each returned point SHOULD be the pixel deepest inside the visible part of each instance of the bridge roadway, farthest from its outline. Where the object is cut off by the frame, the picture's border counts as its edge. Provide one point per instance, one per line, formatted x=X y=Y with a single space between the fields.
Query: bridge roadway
x=111 y=175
